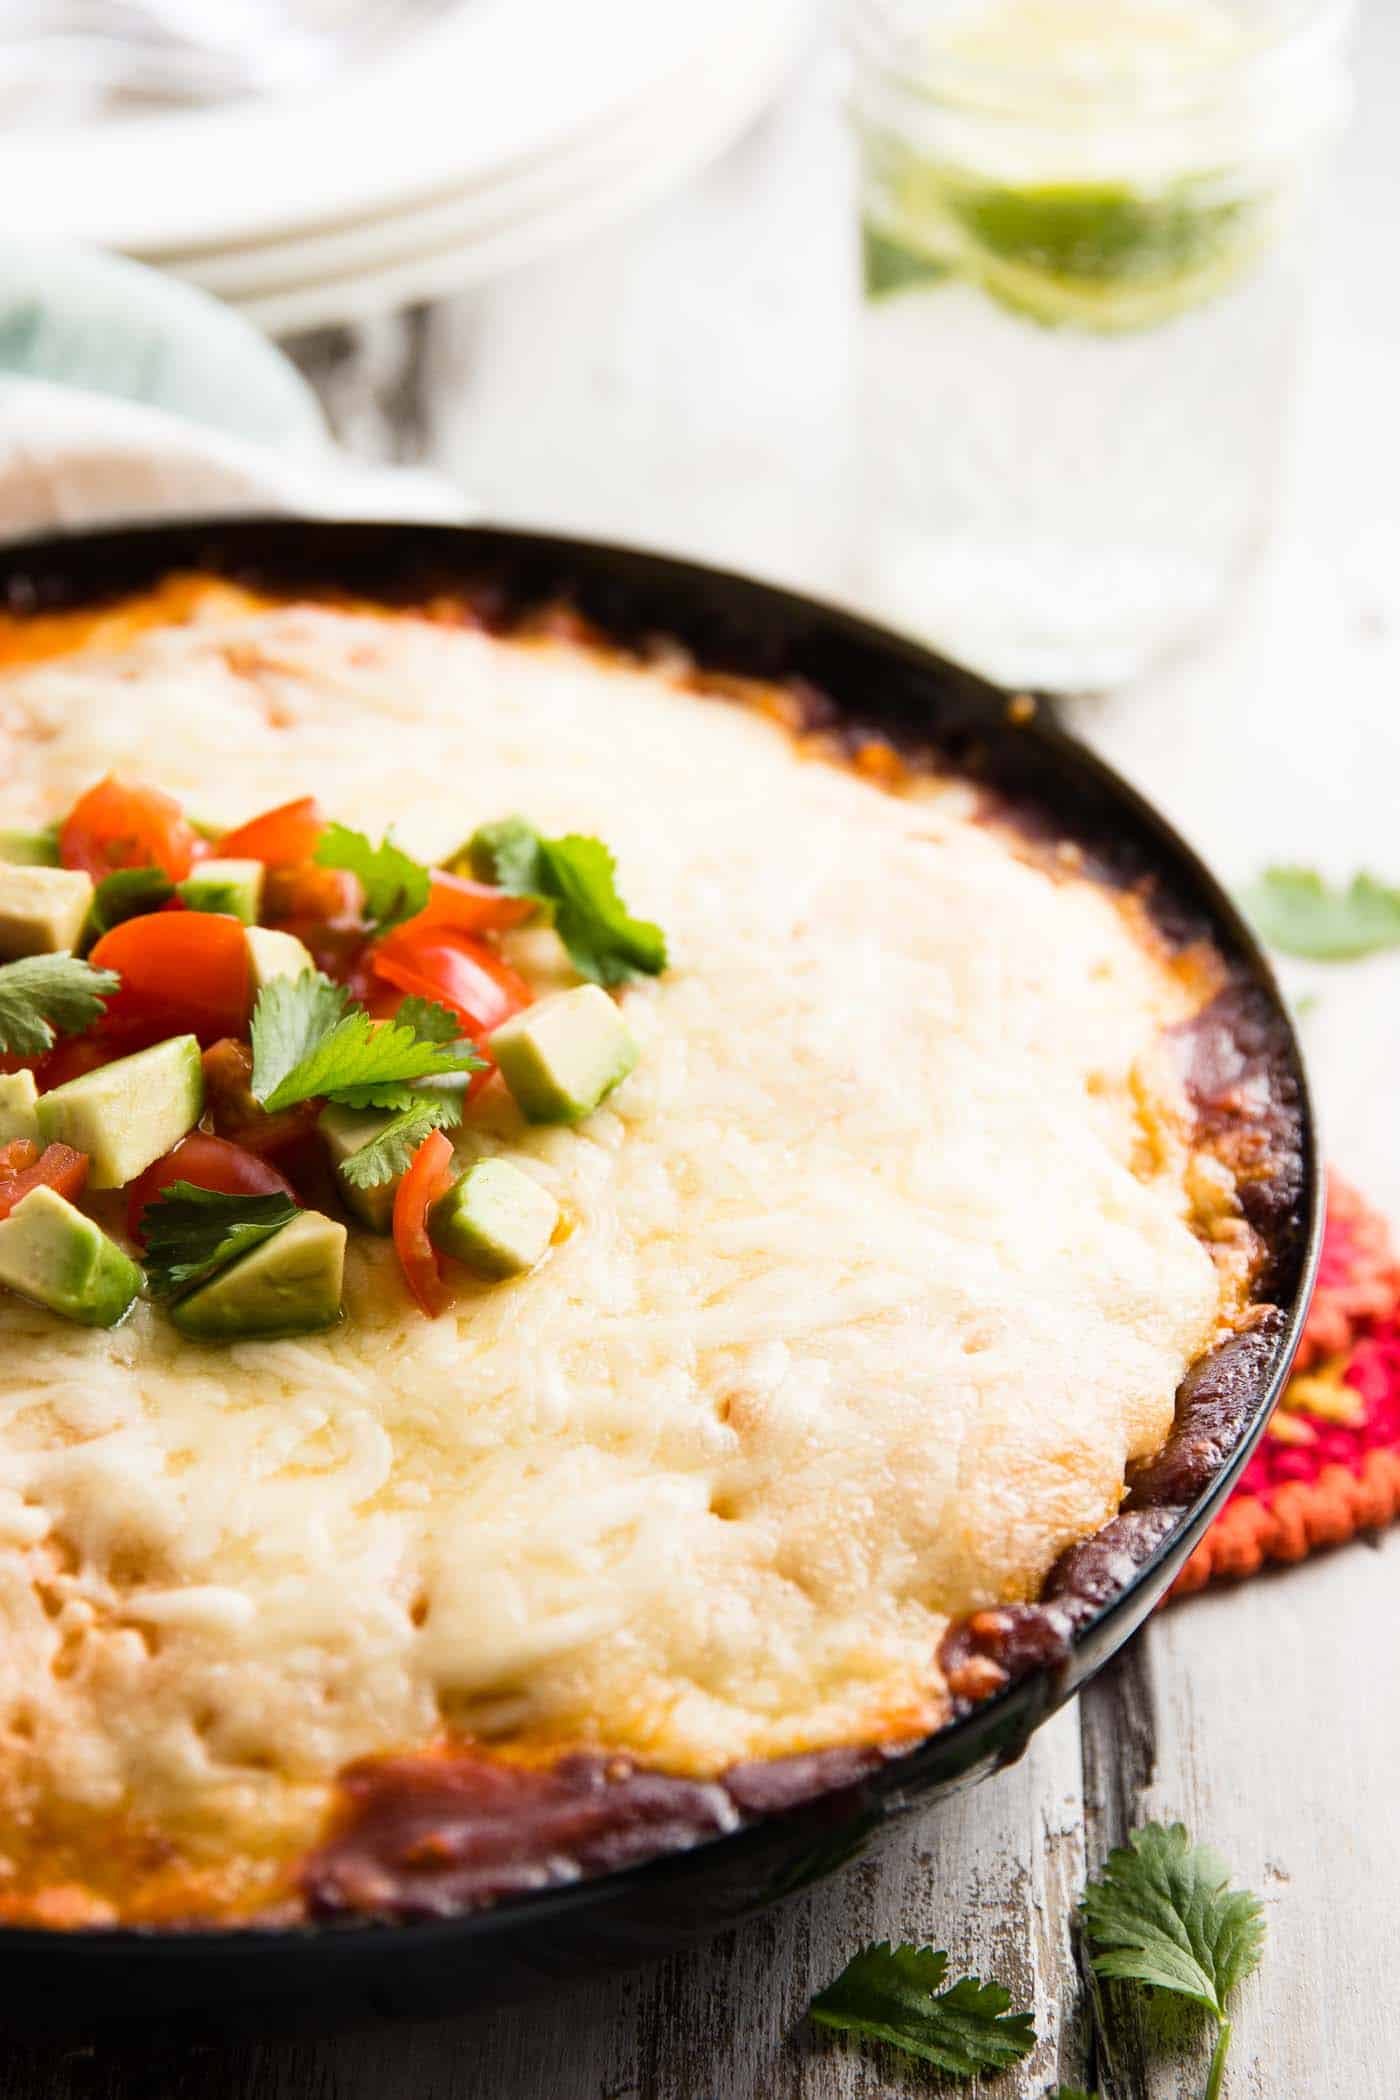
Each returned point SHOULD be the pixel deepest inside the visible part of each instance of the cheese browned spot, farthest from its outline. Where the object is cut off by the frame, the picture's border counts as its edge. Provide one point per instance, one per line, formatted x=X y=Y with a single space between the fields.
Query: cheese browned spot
x=881 y=1272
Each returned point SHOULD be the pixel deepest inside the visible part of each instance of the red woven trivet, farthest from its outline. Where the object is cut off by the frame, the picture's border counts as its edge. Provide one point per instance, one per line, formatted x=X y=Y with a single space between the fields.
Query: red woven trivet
x=1329 y=1464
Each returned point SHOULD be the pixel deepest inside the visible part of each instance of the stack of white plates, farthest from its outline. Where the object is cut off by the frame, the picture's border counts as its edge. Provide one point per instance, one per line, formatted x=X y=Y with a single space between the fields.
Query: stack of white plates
x=500 y=130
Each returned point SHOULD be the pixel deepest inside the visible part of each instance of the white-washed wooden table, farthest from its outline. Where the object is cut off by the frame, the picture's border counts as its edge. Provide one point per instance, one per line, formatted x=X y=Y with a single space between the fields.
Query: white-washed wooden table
x=674 y=382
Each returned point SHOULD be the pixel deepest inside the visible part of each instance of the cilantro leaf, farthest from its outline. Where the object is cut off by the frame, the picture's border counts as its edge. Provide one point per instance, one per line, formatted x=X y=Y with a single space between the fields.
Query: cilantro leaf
x=1297 y=913
x=1162 y=1913
x=510 y=854
x=430 y=1022
x=576 y=877
x=292 y=1015
x=191 y=1232
x=42 y=996
x=395 y=885
x=891 y=1994
x=125 y=894
x=310 y=1039
x=388 y=1155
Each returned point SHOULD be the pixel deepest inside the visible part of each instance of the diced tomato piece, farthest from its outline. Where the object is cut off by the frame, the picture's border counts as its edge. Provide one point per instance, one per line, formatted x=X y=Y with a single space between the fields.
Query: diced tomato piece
x=455 y=969
x=210 y=1163
x=73 y=1055
x=237 y=1114
x=335 y=950
x=120 y=824
x=430 y=1175
x=181 y=972
x=278 y=837
x=24 y=1167
x=470 y=907
x=302 y=889
x=228 y=1083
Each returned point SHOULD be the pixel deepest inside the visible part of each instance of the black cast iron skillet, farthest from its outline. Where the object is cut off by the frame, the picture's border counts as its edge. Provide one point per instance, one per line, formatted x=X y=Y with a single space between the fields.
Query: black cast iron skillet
x=330 y=1972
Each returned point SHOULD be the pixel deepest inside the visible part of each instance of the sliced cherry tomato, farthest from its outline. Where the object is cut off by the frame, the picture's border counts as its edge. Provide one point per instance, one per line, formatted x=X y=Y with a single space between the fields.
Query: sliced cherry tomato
x=24 y=1167
x=455 y=969
x=470 y=907
x=120 y=824
x=278 y=837
x=430 y=1175
x=210 y=1163
x=180 y=971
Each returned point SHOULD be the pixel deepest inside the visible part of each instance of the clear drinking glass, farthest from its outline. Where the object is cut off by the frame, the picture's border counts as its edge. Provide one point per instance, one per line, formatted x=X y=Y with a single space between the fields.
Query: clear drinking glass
x=1083 y=227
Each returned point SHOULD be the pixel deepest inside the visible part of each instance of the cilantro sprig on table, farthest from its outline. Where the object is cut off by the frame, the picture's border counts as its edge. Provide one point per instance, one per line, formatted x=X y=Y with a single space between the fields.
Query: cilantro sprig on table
x=395 y=885
x=1161 y=1916
x=1299 y=914
x=44 y=996
x=311 y=1041
x=574 y=879
x=1162 y=1913
x=191 y=1232
x=894 y=1994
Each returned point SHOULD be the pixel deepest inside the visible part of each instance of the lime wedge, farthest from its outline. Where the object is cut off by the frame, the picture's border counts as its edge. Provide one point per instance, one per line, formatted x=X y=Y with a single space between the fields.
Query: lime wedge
x=889 y=266
x=1100 y=256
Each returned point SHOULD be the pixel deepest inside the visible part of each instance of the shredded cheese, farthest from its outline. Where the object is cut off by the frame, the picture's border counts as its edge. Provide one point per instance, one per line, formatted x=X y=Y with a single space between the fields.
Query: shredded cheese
x=881 y=1270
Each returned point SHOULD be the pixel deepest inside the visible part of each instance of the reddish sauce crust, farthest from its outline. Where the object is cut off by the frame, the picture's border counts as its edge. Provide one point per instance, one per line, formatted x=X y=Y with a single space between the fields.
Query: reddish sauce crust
x=438 y=1833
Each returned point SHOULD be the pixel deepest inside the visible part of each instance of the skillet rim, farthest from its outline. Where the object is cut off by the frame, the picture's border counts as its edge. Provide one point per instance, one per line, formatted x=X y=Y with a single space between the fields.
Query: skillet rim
x=64 y=571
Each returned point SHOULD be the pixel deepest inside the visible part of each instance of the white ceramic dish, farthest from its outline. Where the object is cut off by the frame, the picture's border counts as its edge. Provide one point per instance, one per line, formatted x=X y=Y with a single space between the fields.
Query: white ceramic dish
x=493 y=85
x=696 y=110
x=454 y=266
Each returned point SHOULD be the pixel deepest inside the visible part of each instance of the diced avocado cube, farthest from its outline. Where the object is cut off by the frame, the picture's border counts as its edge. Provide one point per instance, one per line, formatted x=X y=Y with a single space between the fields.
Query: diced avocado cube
x=126 y=1114
x=345 y=1130
x=496 y=1219
x=232 y=886
x=272 y=954
x=41 y=909
x=18 y=1094
x=53 y=1255
x=563 y=1054
x=30 y=849
x=291 y=1284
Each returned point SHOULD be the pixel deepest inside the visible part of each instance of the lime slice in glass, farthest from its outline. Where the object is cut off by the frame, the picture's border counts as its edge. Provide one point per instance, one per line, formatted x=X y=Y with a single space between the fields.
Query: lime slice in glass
x=889 y=265
x=1101 y=256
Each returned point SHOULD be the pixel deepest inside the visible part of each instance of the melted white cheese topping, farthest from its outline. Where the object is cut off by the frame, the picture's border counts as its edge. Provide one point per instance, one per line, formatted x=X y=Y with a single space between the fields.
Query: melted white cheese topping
x=873 y=1290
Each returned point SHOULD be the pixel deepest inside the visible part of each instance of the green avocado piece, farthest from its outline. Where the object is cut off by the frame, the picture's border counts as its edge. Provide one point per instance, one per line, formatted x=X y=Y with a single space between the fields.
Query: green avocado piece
x=41 y=909
x=18 y=1094
x=272 y=954
x=291 y=1284
x=496 y=1219
x=30 y=849
x=231 y=886
x=563 y=1054
x=345 y=1130
x=126 y=1114
x=53 y=1255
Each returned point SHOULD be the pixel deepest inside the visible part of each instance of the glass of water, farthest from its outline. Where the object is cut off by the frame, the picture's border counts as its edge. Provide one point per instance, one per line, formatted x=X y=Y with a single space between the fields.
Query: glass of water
x=1082 y=231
